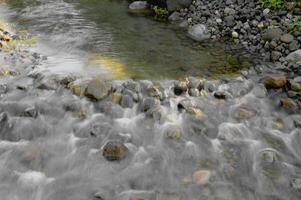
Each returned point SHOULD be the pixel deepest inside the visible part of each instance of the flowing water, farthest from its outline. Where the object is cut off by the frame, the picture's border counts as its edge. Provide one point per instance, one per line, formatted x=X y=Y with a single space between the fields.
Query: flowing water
x=179 y=147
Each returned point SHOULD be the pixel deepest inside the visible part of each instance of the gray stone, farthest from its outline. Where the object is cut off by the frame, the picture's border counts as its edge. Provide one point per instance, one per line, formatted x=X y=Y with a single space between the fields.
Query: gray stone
x=199 y=32
x=138 y=6
x=230 y=21
x=294 y=45
x=127 y=101
x=272 y=34
x=175 y=17
x=294 y=56
x=275 y=55
x=287 y=38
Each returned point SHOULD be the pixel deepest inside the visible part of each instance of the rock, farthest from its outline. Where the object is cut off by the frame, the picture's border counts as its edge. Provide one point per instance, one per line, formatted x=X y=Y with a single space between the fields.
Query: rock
x=77 y=88
x=116 y=97
x=274 y=81
x=266 y=11
x=199 y=32
x=173 y=5
x=30 y=112
x=235 y=34
x=154 y=91
x=275 y=55
x=97 y=89
x=294 y=45
x=229 y=11
x=294 y=86
x=289 y=104
x=194 y=92
x=181 y=87
x=195 y=113
x=114 y=151
x=138 y=6
x=272 y=34
x=149 y=103
x=194 y=83
x=173 y=133
x=230 y=21
x=201 y=177
x=127 y=101
x=175 y=17
x=294 y=56
x=287 y=38
x=244 y=112
x=220 y=95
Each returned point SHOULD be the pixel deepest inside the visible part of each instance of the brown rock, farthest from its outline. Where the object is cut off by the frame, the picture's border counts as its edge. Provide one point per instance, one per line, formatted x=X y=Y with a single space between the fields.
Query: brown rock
x=201 y=177
x=289 y=104
x=181 y=87
x=274 y=81
x=114 y=151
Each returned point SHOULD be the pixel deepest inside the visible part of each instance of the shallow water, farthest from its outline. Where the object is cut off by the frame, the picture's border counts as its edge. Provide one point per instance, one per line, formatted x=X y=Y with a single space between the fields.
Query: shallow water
x=89 y=36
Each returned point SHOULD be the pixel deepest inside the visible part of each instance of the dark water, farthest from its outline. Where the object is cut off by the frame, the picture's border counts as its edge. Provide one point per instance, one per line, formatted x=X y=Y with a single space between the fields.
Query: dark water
x=100 y=36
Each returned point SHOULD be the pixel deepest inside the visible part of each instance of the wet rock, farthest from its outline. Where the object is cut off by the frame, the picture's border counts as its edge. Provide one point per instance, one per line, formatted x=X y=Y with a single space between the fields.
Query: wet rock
x=173 y=132
x=77 y=88
x=30 y=112
x=181 y=88
x=116 y=97
x=149 y=103
x=220 y=95
x=127 y=101
x=289 y=104
x=199 y=32
x=47 y=84
x=201 y=177
x=138 y=6
x=243 y=112
x=114 y=151
x=274 y=81
x=276 y=55
x=154 y=91
x=194 y=92
x=195 y=83
x=294 y=86
x=97 y=89
x=297 y=121
x=272 y=34
x=195 y=113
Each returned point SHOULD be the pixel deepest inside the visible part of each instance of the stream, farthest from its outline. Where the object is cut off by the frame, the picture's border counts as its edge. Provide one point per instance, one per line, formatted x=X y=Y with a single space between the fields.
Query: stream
x=224 y=139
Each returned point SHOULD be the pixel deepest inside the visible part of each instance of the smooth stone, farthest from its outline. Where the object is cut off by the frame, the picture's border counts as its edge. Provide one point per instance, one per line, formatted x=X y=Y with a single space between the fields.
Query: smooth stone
x=97 y=89
x=114 y=151
x=138 y=7
x=294 y=86
x=175 y=17
x=199 y=32
x=181 y=87
x=201 y=177
x=289 y=104
x=173 y=5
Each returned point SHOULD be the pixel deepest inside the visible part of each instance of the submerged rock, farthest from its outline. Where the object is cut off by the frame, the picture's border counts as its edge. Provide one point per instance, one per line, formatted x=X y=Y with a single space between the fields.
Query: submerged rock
x=289 y=104
x=139 y=7
x=114 y=151
x=201 y=177
x=97 y=89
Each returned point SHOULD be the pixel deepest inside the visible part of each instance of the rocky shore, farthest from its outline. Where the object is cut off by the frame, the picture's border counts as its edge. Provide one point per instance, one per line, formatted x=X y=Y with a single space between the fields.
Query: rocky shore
x=270 y=33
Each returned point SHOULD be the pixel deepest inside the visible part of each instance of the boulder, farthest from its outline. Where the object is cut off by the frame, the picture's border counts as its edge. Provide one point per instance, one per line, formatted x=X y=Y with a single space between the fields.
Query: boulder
x=199 y=32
